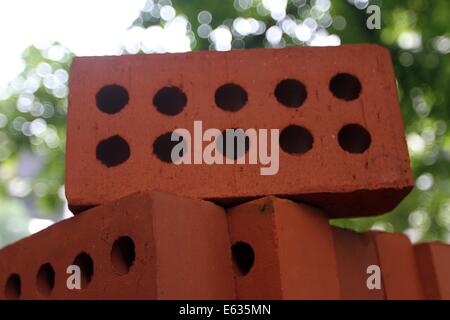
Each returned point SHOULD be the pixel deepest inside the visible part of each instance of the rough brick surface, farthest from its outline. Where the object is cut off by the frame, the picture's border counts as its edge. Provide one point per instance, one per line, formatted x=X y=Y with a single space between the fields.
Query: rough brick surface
x=355 y=252
x=293 y=251
x=181 y=250
x=400 y=274
x=433 y=260
x=340 y=182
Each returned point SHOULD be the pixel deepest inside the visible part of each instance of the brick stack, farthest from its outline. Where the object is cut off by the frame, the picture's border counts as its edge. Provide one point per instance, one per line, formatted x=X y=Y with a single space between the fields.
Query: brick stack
x=226 y=231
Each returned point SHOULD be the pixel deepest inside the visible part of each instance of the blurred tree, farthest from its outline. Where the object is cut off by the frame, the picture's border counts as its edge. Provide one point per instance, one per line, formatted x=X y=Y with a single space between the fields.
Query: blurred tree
x=417 y=32
x=32 y=141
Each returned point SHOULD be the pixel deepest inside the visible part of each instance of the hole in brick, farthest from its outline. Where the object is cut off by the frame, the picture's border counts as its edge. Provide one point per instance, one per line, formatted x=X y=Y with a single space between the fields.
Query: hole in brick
x=86 y=265
x=231 y=97
x=112 y=98
x=239 y=137
x=123 y=254
x=296 y=139
x=13 y=287
x=113 y=151
x=163 y=145
x=345 y=86
x=354 y=138
x=243 y=256
x=170 y=100
x=291 y=93
x=45 y=279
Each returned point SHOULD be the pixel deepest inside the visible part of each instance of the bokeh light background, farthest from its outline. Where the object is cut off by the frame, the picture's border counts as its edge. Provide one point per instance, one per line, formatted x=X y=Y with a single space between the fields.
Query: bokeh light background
x=39 y=38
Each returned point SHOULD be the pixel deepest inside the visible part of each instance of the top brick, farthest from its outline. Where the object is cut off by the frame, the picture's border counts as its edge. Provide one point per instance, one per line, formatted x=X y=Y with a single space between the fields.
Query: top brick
x=342 y=144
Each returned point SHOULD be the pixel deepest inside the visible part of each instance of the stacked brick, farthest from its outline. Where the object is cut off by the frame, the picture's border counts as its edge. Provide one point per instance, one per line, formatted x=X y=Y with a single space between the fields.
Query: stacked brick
x=155 y=245
x=226 y=231
x=145 y=246
x=433 y=263
x=341 y=132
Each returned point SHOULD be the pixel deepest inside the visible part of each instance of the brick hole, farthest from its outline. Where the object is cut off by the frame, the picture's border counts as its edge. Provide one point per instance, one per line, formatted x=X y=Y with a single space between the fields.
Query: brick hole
x=123 y=255
x=112 y=98
x=163 y=145
x=231 y=97
x=113 y=151
x=291 y=93
x=45 y=279
x=239 y=136
x=243 y=256
x=345 y=86
x=13 y=287
x=170 y=100
x=296 y=140
x=354 y=138
x=86 y=265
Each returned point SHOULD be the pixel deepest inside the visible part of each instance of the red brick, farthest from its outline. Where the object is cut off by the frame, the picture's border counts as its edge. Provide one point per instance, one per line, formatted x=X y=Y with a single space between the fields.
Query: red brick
x=182 y=251
x=433 y=260
x=342 y=183
x=400 y=275
x=293 y=251
x=355 y=252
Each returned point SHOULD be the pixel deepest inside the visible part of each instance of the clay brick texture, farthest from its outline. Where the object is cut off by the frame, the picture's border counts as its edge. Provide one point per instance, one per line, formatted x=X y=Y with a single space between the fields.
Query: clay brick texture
x=408 y=272
x=144 y=246
x=355 y=252
x=282 y=250
x=342 y=145
x=433 y=260
x=154 y=245
x=401 y=280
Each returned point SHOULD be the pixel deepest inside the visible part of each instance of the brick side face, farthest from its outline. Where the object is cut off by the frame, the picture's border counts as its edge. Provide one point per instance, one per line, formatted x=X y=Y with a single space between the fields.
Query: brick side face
x=294 y=257
x=135 y=253
x=433 y=260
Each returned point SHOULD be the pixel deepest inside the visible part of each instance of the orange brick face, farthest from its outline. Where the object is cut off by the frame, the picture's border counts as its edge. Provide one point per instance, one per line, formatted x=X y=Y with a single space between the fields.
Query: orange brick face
x=341 y=136
x=355 y=252
x=400 y=274
x=433 y=260
x=282 y=250
x=144 y=246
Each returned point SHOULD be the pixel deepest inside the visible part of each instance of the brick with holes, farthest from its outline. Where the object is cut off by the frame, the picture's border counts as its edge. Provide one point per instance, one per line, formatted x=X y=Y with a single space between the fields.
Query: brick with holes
x=356 y=253
x=144 y=246
x=398 y=266
x=342 y=145
x=282 y=250
x=433 y=260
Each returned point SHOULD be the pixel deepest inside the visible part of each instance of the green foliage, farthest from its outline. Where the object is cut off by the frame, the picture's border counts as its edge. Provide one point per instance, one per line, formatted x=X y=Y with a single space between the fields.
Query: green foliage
x=33 y=110
x=415 y=31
